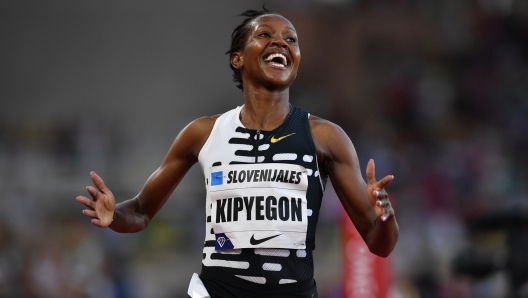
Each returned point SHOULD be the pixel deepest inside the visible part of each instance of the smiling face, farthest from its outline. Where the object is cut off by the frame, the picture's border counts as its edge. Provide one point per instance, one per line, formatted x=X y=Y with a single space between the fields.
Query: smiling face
x=271 y=54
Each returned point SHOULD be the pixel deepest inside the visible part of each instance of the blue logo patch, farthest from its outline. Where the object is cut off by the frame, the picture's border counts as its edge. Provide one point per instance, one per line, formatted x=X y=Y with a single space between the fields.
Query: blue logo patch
x=217 y=178
x=222 y=242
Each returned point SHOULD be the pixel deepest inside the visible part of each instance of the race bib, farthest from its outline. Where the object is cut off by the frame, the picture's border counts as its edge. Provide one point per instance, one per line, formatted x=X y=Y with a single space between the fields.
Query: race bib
x=259 y=206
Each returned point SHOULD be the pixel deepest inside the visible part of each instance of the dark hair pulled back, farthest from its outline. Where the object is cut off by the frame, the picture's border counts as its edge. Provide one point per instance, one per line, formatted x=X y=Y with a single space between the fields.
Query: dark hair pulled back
x=239 y=37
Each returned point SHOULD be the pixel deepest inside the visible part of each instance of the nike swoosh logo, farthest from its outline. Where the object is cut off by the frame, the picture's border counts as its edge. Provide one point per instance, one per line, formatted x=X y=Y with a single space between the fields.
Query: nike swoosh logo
x=274 y=140
x=254 y=241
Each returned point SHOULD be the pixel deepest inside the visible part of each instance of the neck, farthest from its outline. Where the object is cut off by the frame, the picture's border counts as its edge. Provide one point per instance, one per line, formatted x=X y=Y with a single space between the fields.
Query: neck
x=264 y=109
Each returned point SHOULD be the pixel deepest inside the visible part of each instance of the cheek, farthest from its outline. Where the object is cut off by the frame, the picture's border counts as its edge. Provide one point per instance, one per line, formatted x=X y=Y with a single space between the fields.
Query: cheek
x=250 y=44
x=250 y=55
x=253 y=45
x=298 y=56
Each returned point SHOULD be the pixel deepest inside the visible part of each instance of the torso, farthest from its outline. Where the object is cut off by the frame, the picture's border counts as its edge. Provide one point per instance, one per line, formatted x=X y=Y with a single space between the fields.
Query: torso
x=231 y=143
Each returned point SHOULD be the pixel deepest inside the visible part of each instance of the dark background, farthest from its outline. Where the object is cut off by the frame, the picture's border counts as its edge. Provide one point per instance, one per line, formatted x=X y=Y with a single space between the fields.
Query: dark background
x=435 y=91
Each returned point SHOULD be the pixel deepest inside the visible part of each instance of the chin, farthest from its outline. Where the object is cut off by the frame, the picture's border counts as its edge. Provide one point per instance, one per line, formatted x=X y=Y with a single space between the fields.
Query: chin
x=275 y=86
x=279 y=82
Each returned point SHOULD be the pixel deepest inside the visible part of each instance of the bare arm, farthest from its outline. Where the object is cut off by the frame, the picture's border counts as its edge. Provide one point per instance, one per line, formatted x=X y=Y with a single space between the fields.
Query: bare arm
x=135 y=214
x=367 y=205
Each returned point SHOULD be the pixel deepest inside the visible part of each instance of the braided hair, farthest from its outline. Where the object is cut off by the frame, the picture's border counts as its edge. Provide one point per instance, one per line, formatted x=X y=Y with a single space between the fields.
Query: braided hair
x=239 y=37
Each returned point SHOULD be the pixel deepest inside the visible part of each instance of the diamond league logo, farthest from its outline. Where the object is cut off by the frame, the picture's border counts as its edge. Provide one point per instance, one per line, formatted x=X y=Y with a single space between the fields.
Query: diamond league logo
x=221 y=241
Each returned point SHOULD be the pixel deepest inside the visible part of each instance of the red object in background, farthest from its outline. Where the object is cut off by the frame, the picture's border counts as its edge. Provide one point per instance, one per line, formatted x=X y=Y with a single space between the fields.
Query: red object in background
x=365 y=275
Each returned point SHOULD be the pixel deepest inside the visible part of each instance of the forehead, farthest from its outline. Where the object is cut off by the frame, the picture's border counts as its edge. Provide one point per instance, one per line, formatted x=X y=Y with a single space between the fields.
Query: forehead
x=271 y=20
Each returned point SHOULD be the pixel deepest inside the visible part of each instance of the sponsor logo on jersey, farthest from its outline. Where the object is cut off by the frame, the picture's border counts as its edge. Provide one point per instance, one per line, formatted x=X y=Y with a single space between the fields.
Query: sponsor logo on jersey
x=274 y=140
x=217 y=178
x=223 y=242
x=264 y=175
x=254 y=241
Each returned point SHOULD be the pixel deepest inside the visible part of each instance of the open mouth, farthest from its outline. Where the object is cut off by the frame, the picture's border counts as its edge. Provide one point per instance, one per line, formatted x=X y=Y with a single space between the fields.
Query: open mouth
x=277 y=60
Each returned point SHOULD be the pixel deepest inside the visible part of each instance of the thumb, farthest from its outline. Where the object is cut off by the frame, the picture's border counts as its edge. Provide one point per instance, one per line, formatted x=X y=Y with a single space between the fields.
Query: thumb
x=99 y=183
x=371 y=172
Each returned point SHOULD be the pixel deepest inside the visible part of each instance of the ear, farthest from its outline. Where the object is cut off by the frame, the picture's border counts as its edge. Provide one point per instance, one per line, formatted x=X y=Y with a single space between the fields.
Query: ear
x=237 y=60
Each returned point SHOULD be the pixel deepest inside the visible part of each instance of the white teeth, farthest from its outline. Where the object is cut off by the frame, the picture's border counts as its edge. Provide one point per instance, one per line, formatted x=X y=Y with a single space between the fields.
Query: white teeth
x=277 y=55
x=277 y=64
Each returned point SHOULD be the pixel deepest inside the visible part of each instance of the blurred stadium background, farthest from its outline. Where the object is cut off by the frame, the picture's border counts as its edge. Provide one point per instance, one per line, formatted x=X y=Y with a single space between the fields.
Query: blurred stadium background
x=435 y=91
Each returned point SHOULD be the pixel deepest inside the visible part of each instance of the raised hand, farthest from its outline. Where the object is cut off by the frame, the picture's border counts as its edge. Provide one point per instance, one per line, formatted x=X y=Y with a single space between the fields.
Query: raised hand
x=101 y=208
x=376 y=193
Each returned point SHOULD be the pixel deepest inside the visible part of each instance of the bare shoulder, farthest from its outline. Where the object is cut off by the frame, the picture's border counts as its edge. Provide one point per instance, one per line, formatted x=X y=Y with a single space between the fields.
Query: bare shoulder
x=202 y=125
x=331 y=142
x=318 y=121
x=324 y=130
x=192 y=138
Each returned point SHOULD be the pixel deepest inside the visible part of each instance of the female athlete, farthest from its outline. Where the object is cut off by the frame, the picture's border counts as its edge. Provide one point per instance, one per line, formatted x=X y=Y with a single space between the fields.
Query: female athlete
x=265 y=167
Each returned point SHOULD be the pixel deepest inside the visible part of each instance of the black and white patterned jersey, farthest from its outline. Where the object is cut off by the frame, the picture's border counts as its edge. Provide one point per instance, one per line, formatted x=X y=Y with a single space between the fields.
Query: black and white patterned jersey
x=291 y=144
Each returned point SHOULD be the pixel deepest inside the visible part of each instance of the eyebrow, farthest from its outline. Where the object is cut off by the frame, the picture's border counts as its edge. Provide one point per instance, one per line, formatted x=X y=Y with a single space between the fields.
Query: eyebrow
x=264 y=25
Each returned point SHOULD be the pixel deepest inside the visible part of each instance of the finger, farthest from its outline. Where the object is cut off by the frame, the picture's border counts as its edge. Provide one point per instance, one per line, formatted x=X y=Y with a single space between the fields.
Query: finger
x=90 y=213
x=371 y=172
x=93 y=192
x=388 y=213
x=383 y=203
x=384 y=181
x=380 y=194
x=98 y=182
x=97 y=222
x=86 y=202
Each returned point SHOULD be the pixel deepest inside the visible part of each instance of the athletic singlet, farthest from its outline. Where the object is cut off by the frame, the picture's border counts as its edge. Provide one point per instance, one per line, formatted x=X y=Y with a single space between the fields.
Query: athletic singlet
x=266 y=160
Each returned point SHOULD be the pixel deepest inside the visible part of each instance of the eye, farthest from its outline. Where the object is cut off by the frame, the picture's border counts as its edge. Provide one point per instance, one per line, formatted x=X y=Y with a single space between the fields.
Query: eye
x=265 y=34
x=291 y=39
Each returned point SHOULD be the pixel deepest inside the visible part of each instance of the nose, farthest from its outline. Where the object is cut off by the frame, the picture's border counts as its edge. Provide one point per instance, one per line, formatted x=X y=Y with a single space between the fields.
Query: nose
x=279 y=42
